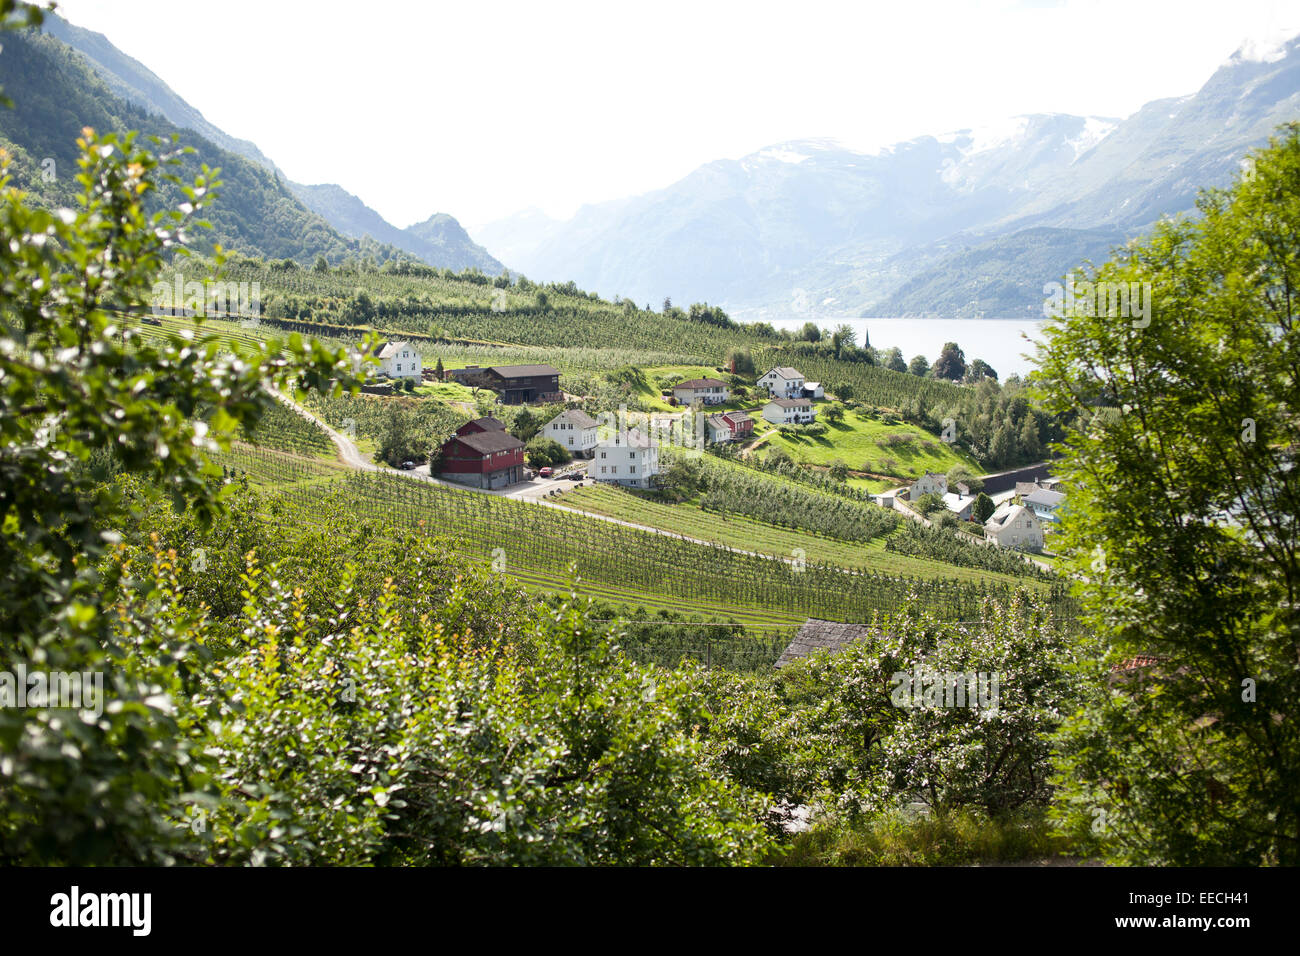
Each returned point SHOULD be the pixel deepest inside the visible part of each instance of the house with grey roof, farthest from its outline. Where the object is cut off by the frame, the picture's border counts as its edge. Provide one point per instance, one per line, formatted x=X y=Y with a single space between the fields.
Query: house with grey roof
x=783 y=382
x=1014 y=526
x=1044 y=503
x=817 y=635
x=575 y=431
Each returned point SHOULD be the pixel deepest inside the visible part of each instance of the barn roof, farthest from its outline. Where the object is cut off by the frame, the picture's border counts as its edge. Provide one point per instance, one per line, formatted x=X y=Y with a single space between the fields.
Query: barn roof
x=488 y=442
x=817 y=635
x=487 y=423
x=524 y=371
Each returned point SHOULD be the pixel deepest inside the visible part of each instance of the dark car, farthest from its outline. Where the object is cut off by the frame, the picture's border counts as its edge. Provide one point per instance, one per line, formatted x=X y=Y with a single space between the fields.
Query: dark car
x=408 y=465
x=574 y=476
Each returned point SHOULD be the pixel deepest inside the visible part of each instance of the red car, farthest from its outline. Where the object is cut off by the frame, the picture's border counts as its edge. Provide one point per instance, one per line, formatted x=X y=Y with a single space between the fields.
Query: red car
x=544 y=472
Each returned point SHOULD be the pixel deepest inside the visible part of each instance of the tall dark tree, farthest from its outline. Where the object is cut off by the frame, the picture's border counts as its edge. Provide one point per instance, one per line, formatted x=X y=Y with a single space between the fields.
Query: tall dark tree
x=951 y=363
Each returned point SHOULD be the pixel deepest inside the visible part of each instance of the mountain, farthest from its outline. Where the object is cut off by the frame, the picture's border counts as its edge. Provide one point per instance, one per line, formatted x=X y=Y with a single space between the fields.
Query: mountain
x=446 y=240
x=440 y=241
x=56 y=93
x=968 y=223
x=135 y=83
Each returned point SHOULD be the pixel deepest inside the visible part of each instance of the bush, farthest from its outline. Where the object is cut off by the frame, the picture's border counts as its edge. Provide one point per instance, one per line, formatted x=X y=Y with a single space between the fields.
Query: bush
x=899 y=838
x=928 y=503
x=543 y=452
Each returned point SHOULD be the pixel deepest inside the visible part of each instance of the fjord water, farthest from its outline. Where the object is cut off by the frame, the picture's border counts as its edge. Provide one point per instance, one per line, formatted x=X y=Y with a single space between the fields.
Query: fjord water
x=1002 y=343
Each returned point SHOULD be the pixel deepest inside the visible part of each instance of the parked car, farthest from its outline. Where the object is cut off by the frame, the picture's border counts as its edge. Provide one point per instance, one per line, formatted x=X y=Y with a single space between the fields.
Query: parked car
x=408 y=465
x=574 y=476
x=545 y=472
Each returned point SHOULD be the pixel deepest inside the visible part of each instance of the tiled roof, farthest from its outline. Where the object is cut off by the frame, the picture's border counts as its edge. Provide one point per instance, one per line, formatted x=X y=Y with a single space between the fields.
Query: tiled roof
x=786 y=371
x=1005 y=513
x=816 y=635
x=1045 y=498
x=488 y=423
x=577 y=417
x=791 y=402
x=487 y=442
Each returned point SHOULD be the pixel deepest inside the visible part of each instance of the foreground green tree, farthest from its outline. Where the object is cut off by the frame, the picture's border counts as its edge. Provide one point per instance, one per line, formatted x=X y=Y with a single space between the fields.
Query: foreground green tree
x=1183 y=530
x=76 y=380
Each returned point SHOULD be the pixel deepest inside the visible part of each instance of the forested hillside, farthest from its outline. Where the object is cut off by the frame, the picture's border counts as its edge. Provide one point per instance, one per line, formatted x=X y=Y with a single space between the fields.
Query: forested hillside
x=56 y=95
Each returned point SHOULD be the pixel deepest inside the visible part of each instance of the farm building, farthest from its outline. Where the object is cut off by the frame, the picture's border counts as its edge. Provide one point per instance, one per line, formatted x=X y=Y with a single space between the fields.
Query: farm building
x=789 y=411
x=729 y=426
x=399 y=360
x=482 y=454
x=783 y=382
x=813 y=390
x=575 y=430
x=516 y=384
x=628 y=458
x=1014 y=526
x=707 y=391
x=816 y=635
x=931 y=483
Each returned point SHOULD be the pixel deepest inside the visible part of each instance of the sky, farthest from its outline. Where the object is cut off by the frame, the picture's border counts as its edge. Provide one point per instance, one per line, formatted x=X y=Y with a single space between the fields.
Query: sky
x=486 y=108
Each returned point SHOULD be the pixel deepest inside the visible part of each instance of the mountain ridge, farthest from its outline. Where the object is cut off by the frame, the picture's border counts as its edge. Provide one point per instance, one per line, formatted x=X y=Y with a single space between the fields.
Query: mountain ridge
x=346 y=213
x=859 y=233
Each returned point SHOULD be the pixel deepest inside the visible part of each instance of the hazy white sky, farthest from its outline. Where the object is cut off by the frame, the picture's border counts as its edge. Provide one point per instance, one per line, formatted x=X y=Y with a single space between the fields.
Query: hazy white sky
x=480 y=109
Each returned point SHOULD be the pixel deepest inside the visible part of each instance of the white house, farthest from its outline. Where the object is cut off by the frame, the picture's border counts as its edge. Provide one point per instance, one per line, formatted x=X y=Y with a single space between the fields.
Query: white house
x=399 y=360
x=628 y=458
x=931 y=483
x=707 y=391
x=783 y=382
x=789 y=411
x=1014 y=526
x=575 y=430
x=813 y=390
x=959 y=504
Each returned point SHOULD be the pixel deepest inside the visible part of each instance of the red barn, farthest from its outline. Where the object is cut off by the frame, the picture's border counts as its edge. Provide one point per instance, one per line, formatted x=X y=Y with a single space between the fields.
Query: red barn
x=482 y=454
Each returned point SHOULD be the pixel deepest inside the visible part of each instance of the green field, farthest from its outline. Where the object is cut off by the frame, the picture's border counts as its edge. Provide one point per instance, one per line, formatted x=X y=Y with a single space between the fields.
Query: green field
x=857 y=441
x=741 y=533
x=555 y=550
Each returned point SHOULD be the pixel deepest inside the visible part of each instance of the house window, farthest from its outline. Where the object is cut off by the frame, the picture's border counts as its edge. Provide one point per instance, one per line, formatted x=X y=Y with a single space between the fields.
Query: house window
x=399 y=366
x=602 y=469
x=632 y=470
x=602 y=454
x=570 y=442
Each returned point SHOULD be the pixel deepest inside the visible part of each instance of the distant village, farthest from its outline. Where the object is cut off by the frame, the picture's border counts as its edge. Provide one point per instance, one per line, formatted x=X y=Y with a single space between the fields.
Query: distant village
x=482 y=454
